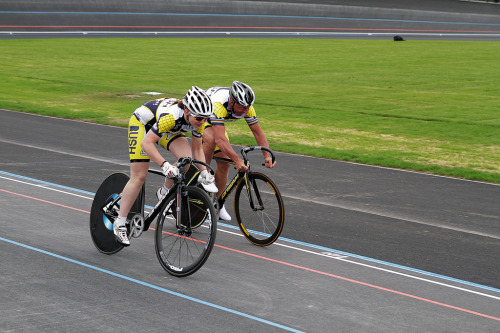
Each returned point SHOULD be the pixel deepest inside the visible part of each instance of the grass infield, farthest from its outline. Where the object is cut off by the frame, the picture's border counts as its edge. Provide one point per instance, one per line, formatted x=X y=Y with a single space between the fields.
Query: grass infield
x=431 y=106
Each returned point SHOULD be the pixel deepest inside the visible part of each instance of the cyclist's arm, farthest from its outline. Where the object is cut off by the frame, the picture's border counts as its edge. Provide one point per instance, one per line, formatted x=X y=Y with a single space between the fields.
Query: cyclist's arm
x=261 y=139
x=197 y=148
x=149 y=146
x=208 y=144
x=165 y=123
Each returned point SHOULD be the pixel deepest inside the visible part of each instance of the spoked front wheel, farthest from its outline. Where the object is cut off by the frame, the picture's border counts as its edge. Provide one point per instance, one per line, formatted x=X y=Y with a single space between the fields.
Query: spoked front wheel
x=259 y=209
x=182 y=247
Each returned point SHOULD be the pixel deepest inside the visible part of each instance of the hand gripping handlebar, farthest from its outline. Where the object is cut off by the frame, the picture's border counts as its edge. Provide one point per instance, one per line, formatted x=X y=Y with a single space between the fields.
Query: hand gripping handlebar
x=182 y=162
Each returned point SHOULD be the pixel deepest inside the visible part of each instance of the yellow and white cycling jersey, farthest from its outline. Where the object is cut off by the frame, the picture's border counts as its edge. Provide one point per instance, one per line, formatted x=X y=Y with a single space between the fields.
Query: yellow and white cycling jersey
x=165 y=118
x=222 y=113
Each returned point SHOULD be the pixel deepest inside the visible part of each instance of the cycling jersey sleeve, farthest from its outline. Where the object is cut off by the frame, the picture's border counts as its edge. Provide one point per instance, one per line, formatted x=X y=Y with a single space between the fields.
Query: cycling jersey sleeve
x=198 y=133
x=220 y=113
x=164 y=124
x=251 y=117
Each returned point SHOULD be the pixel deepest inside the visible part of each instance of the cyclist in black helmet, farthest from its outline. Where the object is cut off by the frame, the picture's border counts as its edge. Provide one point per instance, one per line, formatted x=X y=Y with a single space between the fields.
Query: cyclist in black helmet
x=230 y=104
x=163 y=121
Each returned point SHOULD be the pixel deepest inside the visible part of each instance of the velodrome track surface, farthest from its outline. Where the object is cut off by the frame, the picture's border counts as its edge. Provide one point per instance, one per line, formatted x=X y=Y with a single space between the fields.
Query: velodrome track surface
x=364 y=249
x=423 y=19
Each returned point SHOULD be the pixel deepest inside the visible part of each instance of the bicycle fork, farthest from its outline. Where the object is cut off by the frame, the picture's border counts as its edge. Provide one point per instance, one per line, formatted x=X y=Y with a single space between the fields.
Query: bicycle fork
x=184 y=229
x=251 y=184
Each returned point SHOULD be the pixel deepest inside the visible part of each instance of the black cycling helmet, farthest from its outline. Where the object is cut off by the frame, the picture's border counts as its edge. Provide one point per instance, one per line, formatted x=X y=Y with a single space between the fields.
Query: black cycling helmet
x=242 y=94
x=198 y=103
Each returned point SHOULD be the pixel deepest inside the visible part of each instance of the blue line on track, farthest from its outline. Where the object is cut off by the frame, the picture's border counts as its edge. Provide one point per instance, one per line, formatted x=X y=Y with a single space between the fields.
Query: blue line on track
x=46 y=183
x=411 y=269
x=319 y=247
x=153 y=286
x=239 y=15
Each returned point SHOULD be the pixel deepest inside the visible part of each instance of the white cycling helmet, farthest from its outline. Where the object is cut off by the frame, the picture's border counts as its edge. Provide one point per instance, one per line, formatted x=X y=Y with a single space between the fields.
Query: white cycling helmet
x=242 y=94
x=198 y=102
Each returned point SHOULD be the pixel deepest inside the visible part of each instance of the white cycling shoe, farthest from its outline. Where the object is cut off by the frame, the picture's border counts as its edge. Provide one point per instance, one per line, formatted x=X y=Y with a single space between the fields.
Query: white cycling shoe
x=223 y=214
x=160 y=194
x=121 y=234
x=210 y=188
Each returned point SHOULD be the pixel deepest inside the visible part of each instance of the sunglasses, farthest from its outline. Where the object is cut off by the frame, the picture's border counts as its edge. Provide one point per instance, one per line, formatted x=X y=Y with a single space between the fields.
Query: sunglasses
x=199 y=118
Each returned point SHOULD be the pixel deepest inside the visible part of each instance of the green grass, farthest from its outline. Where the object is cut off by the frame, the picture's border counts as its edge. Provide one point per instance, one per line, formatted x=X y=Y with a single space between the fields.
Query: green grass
x=432 y=106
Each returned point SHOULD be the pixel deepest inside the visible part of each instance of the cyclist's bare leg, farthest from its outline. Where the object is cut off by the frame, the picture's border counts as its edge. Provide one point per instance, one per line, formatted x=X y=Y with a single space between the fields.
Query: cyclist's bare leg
x=221 y=174
x=222 y=171
x=138 y=173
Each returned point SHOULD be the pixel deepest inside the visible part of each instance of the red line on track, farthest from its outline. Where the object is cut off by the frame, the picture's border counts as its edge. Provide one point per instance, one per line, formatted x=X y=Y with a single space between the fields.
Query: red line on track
x=49 y=202
x=305 y=268
x=230 y=27
x=361 y=283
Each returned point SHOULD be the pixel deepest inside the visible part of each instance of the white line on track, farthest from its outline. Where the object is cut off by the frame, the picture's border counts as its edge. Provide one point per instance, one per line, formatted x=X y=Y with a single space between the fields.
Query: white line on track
x=46 y=187
x=247 y=33
x=126 y=163
x=335 y=205
x=397 y=217
x=59 y=151
x=330 y=255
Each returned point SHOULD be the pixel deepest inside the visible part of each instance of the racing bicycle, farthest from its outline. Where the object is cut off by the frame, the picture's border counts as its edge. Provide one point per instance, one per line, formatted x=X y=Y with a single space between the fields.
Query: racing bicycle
x=258 y=204
x=185 y=228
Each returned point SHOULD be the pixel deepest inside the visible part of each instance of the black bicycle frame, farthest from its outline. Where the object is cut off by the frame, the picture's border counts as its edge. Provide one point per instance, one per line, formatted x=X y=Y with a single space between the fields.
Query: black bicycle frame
x=244 y=174
x=157 y=208
x=174 y=189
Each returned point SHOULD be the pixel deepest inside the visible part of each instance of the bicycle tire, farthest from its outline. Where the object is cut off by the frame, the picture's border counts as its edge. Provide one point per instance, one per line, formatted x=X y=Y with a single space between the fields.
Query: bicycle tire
x=183 y=254
x=261 y=226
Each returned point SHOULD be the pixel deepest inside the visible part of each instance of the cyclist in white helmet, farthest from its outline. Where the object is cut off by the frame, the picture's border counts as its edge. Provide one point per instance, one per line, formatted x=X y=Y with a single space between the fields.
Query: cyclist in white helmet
x=163 y=121
x=230 y=104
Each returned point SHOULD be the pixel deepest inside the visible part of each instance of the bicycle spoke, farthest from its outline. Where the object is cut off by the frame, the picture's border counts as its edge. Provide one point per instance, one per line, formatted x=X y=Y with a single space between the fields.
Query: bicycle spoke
x=183 y=246
x=259 y=209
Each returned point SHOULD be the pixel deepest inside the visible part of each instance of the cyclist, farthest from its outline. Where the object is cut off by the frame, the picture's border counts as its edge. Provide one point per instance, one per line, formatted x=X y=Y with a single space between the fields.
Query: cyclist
x=163 y=121
x=230 y=104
